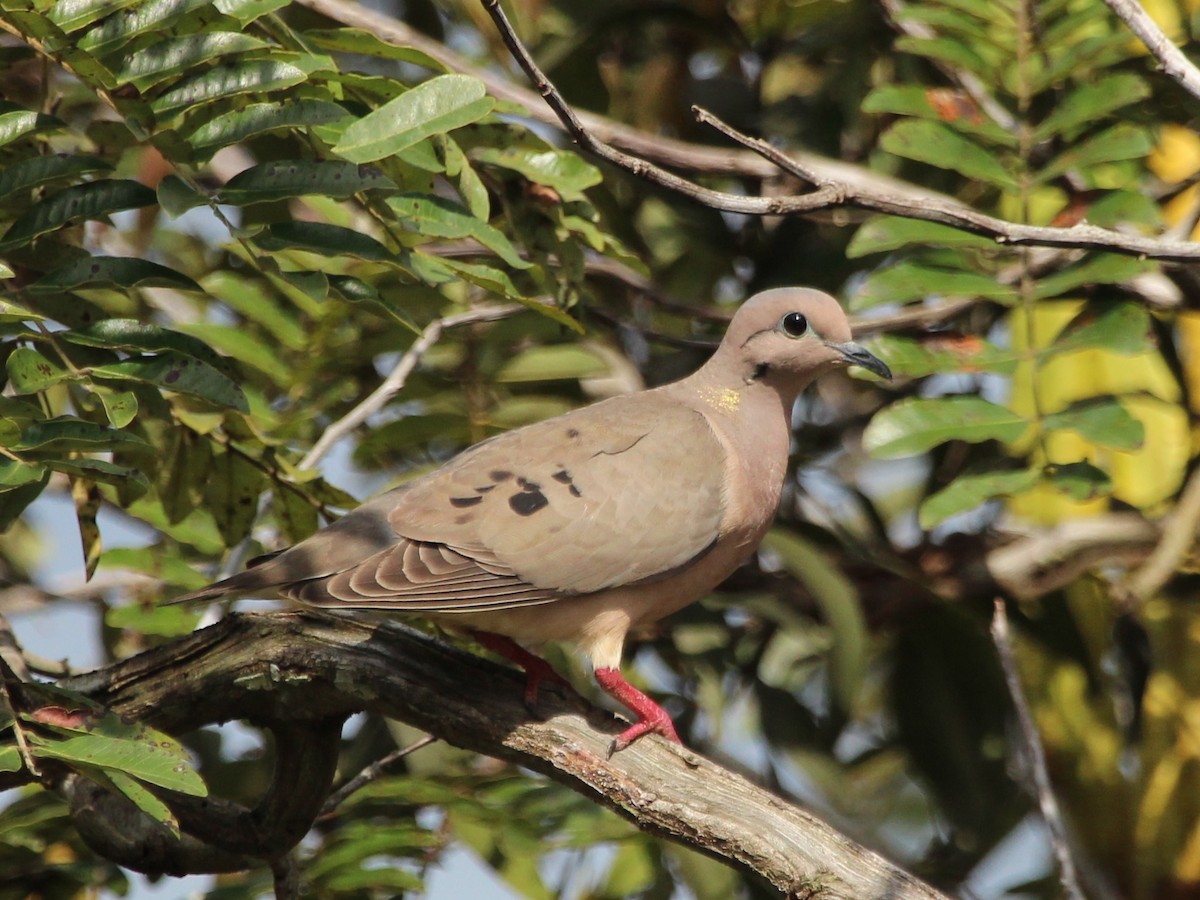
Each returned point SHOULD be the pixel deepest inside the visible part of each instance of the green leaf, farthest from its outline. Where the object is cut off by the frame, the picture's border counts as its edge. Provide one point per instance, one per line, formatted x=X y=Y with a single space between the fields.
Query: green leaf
x=840 y=608
x=562 y=170
x=19 y=123
x=941 y=146
x=1105 y=268
x=71 y=15
x=93 y=200
x=13 y=501
x=939 y=105
x=966 y=492
x=246 y=11
x=10 y=759
x=1123 y=141
x=138 y=337
x=1103 y=421
x=176 y=196
x=1091 y=102
x=322 y=238
x=231 y=495
x=957 y=53
x=254 y=302
x=293 y=178
x=156 y=562
x=121 y=407
x=11 y=312
x=102 y=470
x=172 y=56
x=112 y=271
x=355 y=290
x=30 y=372
x=69 y=433
x=435 y=216
x=15 y=474
x=1079 y=481
x=911 y=280
x=161 y=762
x=1122 y=328
x=242 y=344
x=120 y=27
x=144 y=800
x=37 y=171
x=177 y=372
x=498 y=282
x=916 y=424
x=886 y=233
x=364 y=43
x=261 y=118
x=558 y=361
x=940 y=352
x=434 y=107
x=470 y=186
x=230 y=80
x=161 y=621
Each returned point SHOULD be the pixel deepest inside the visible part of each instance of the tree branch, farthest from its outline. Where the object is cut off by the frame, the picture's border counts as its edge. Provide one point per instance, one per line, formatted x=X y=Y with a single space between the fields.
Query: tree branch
x=1170 y=57
x=832 y=193
x=398 y=377
x=308 y=669
x=665 y=150
x=1039 y=775
x=1179 y=533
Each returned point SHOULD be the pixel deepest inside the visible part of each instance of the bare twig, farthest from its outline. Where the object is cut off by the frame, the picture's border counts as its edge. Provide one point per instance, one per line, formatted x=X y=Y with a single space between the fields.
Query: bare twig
x=1179 y=533
x=665 y=150
x=1177 y=66
x=832 y=193
x=1036 y=757
x=370 y=773
x=397 y=378
x=10 y=682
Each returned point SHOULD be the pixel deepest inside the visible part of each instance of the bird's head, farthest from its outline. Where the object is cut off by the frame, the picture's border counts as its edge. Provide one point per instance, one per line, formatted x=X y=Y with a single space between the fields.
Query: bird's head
x=786 y=337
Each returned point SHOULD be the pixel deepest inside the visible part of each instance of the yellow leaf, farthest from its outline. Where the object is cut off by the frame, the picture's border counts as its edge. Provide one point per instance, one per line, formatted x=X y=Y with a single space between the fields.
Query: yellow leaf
x=1177 y=155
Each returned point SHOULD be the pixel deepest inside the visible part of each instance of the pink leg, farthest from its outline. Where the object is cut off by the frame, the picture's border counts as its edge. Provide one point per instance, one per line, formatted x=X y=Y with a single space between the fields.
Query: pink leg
x=650 y=716
x=536 y=669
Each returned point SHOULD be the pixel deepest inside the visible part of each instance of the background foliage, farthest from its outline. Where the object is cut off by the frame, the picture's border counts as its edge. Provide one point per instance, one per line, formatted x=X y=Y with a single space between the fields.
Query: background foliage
x=223 y=222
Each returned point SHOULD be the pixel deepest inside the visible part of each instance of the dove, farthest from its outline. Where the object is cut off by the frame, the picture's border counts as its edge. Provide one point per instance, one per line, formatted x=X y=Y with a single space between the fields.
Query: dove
x=582 y=527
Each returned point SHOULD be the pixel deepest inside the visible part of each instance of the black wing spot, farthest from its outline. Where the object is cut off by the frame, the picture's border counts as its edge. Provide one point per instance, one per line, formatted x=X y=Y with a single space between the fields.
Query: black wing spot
x=527 y=485
x=527 y=503
x=498 y=475
x=562 y=476
x=484 y=489
x=572 y=432
x=460 y=502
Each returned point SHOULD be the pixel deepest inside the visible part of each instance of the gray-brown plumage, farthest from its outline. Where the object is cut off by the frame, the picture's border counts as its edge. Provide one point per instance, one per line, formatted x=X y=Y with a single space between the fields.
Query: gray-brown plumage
x=586 y=525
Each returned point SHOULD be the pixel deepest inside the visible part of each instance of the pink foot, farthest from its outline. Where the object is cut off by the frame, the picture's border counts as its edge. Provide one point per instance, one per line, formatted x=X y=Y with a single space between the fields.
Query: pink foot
x=651 y=716
x=536 y=669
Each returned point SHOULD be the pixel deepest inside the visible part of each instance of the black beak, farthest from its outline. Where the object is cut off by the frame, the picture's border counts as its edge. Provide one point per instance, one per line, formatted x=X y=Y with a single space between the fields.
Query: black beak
x=858 y=355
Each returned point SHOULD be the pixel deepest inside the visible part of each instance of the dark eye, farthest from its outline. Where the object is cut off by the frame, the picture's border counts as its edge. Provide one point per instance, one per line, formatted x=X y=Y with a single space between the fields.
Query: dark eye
x=794 y=324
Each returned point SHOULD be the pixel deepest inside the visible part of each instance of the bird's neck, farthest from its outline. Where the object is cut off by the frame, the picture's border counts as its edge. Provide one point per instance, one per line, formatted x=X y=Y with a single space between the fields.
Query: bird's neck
x=752 y=421
x=752 y=415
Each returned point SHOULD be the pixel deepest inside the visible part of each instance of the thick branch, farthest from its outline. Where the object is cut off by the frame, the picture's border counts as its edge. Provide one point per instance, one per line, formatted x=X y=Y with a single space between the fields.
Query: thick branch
x=307 y=668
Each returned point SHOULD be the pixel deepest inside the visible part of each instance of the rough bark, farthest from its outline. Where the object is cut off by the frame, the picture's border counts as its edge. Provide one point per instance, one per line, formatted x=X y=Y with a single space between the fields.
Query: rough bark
x=300 y=674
